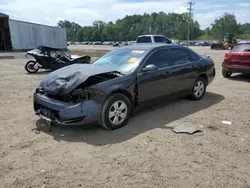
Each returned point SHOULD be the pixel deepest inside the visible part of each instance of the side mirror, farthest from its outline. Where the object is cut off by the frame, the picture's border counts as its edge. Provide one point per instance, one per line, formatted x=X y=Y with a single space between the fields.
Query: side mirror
x=149 y=68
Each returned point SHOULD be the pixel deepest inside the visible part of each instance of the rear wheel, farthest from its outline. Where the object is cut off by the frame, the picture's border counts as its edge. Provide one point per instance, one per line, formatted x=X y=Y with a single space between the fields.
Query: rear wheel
x=226 y=73
x=199 y=89
x=30 y=67
x=115 y=111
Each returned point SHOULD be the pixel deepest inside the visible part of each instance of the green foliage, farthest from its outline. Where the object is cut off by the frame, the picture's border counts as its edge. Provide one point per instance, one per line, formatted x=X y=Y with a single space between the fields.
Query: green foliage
x=206 y=37
x=225 y=24
x=245 y=28
x=243 y=36
x=172 y=25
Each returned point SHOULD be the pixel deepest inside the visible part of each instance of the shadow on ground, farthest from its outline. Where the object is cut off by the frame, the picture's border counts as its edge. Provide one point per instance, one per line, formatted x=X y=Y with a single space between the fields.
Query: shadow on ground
x=240 y=77
x=40 y=72
x=153 y=115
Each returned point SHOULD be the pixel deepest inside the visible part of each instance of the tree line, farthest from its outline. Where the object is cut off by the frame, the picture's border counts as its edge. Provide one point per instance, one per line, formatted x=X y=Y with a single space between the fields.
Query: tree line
x=172 y=25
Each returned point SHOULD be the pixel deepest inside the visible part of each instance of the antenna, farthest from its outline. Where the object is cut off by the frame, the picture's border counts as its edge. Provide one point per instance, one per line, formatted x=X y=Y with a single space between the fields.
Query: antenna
x=189 y=18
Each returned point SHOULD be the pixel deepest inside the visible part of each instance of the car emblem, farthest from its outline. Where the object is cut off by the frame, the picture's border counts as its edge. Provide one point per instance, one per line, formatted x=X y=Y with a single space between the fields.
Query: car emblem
x=242 y=54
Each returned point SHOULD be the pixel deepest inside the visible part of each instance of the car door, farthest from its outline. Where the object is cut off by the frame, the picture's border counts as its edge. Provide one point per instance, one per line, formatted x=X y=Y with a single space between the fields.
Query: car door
x=182 y=69
x=156 y=83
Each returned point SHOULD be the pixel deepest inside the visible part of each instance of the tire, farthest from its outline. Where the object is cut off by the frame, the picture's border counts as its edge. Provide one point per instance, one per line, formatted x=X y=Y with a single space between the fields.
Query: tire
x=110 y=113
x=225 y=73
x=199 y=89
x=29 y=67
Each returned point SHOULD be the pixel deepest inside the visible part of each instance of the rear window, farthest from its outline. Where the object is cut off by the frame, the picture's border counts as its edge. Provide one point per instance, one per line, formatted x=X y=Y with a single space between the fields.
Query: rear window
x=144 y=39
x=193 y=55
x=159 y=39
x=241 y=48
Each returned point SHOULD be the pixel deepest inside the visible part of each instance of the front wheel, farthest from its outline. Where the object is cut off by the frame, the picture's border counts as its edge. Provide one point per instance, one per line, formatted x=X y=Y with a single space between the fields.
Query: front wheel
x=225 y=73
x=116 y=111
x=30 y=67
x=199 y=89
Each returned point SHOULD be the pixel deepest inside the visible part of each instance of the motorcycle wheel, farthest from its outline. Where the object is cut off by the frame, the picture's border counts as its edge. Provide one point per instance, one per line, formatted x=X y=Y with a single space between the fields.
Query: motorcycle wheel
x=29 y=67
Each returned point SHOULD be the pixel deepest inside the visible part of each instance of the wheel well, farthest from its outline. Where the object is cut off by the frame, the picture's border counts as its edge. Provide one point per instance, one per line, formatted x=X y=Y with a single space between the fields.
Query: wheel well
x=204 y=76
x=126 y=93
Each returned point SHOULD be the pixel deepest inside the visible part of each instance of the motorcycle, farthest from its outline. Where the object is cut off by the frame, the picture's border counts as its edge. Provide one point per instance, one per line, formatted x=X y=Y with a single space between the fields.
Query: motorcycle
x=52 y=59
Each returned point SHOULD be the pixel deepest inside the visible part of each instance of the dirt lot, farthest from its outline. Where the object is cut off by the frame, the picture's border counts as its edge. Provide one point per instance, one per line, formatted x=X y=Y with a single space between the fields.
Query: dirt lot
x=145 y=153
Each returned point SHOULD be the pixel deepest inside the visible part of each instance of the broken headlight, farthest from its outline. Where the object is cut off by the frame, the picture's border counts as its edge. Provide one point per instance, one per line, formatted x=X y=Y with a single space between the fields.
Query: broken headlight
x=80 y=95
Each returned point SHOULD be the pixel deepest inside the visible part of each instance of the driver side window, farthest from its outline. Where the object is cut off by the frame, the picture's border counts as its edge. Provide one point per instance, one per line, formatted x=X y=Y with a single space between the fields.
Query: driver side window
x=159 y=58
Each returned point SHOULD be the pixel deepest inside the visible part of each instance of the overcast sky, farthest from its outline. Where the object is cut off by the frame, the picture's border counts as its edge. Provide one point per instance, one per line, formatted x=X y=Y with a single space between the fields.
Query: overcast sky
x=84 y=12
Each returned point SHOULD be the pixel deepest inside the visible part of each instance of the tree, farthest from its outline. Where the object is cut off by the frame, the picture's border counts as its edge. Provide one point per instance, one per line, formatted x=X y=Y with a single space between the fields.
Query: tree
x=172 y=25
x=225 y=24
x=244 y=28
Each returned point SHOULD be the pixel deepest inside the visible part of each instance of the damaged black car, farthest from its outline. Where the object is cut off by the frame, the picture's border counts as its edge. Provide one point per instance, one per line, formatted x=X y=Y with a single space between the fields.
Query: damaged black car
x=107 y=91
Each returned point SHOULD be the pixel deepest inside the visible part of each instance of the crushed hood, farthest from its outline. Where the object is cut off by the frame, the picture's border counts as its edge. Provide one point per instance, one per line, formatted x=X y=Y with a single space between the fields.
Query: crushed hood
x=66 y=79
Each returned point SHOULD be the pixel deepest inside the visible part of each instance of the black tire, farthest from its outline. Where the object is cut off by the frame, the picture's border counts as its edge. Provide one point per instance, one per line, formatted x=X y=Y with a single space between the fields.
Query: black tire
x=225 y=73
x=107 y=106
x=29 y=67
x=194 y=95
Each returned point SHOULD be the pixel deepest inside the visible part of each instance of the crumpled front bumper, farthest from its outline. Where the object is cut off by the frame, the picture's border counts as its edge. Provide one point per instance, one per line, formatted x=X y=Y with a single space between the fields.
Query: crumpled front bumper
x=62 y=113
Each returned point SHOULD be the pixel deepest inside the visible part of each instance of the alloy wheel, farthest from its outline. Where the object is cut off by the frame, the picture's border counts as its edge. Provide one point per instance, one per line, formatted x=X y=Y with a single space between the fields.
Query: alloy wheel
x=118 y=112
x=199 y=88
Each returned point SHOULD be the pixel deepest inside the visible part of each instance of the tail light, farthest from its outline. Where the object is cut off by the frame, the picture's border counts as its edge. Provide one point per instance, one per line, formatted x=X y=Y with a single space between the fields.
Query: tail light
x=213 y=63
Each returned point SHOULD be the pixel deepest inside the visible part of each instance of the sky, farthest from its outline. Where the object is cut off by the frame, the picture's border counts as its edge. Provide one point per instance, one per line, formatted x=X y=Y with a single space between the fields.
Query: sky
x=85 y=12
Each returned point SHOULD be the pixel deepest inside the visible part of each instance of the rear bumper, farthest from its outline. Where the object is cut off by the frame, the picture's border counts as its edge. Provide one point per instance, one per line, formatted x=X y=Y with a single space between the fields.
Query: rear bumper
x=62 y=113
x=237 y=68
x=211 y=75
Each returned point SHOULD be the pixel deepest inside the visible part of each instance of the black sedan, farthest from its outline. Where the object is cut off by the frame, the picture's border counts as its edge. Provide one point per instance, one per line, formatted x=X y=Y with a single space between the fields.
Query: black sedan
x=107 y=91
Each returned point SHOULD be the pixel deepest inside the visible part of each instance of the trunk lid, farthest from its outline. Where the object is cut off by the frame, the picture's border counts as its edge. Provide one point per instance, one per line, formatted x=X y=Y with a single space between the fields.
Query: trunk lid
x=240 y=55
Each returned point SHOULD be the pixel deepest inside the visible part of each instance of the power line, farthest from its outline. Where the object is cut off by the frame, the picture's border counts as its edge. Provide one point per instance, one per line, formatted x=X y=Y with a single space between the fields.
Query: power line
x=189 y=18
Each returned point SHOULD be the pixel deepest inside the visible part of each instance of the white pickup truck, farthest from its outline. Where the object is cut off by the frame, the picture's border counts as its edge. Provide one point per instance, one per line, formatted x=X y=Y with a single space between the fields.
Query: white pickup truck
x=153 y=39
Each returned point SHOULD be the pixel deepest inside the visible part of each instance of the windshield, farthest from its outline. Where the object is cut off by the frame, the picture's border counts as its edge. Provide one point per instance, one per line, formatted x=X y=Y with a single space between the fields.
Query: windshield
x=122 y=60
x=241 y=48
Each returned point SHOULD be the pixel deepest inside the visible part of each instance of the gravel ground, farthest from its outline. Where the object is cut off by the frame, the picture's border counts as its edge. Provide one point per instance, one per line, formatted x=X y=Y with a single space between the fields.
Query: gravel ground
x=145 y=153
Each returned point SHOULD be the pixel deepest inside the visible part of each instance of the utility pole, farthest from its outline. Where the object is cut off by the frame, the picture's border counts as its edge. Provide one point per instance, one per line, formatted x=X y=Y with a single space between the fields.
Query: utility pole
x=189 y=18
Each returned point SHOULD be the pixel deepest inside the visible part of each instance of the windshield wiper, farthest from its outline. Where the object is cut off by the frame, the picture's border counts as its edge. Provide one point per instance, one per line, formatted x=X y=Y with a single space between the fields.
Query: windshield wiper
x=247 y=50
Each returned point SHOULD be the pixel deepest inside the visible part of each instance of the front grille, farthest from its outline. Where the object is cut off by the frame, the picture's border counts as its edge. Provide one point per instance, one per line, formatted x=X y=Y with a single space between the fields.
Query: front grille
x=63 y=98
x=67 y=98
x=47 y=112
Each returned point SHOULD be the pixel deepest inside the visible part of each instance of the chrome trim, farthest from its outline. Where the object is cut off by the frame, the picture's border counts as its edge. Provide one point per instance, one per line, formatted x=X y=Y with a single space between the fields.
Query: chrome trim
x=45 y=118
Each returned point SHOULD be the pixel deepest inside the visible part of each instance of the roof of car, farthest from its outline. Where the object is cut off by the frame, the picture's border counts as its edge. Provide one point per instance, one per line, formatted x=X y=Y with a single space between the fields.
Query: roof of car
x=145 y=46
x=150 y=35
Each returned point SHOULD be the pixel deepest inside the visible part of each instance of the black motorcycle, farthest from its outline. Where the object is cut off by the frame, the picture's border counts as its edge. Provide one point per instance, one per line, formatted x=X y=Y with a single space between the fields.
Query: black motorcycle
x=52 y=59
